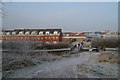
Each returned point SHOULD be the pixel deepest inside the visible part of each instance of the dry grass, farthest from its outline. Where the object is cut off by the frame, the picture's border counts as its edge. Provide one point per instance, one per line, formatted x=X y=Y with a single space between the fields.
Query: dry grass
x=45 y=56
x=110 y=42
x=111 y=57
x=13 y=61
x=87 y=44
x=53 y=46
x=16 y=60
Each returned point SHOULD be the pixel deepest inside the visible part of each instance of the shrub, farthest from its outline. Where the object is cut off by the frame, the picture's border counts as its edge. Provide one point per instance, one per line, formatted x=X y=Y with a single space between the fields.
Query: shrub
x=54 y=46
x=19 y=46
x=105 y=42
x=72 y=40
x=17 y=64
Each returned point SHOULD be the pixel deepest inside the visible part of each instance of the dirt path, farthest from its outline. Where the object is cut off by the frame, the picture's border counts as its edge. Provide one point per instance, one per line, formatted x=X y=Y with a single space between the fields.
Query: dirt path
x=58 y=69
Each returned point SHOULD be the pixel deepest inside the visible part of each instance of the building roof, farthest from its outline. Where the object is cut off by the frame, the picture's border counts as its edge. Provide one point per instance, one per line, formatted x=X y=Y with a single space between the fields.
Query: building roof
x=95 y=35
x=31 y=30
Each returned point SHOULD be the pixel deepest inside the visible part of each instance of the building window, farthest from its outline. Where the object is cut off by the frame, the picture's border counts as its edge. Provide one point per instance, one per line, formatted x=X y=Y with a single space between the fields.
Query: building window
x=47 y=42
x=1 y=33
x=67 y=34
x=8 y=38
x=53 y=37
x=47 y=32
x=31 y=37
x=41 y=38
x=56 y=37
x=54 y=41
x=35 y=38
x=11 y=37
x=45 y=37
x=38 y=38
x=55 y=32
x=13 y=33
x=41 y=33
x=21 y=33
x=1 y=37
x=33 y=33
x=14 y=37
x=27 y=33
x=8 y=33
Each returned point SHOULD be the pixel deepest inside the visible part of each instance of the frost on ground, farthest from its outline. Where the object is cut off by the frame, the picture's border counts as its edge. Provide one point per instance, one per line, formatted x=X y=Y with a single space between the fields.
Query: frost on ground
x=105 y=66
x=15 y=61
x=100 y=70
x=80 y=65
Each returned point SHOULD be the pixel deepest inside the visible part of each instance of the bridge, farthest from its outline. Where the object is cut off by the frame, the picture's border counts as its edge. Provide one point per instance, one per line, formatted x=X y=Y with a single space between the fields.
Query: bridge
x=76 y=49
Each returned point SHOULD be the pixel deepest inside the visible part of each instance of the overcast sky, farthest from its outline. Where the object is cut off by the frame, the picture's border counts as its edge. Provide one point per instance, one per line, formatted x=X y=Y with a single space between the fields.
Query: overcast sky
x=69 y=16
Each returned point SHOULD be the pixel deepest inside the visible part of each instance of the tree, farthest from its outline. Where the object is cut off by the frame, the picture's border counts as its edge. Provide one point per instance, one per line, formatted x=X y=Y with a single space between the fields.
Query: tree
x=72 y=40
x=18 y=46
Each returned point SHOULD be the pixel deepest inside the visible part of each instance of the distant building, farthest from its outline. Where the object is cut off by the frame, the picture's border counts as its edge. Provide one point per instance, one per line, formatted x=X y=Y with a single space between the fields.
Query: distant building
x=34 y=35
x=69 y=36
x=110 y=35
x=95 y=35
x=107 y=31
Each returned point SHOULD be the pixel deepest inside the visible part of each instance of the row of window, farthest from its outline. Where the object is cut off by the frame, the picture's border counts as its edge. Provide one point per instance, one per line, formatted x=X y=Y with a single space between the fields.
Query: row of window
x=28 y=33
x=42 y=41
x=110 y=35
x=40 y=38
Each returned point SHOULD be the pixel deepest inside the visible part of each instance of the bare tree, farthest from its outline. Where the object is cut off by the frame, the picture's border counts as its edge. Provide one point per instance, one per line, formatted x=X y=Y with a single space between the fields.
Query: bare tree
x=2 y=12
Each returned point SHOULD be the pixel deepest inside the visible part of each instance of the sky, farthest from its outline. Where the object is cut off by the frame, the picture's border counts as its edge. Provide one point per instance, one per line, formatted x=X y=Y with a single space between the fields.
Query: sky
x=68 y=16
